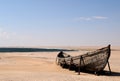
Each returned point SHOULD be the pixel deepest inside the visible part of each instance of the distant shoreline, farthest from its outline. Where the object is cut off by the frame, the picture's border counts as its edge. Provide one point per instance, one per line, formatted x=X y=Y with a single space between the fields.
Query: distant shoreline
x=16 y=49
x=32 y=50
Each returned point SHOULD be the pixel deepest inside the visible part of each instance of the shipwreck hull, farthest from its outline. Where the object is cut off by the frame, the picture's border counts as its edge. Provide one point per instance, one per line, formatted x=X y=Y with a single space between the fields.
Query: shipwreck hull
x=91 y=61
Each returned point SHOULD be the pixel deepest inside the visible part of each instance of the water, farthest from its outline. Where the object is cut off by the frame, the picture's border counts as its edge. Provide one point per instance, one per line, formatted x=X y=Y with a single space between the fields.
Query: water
x=32 y=50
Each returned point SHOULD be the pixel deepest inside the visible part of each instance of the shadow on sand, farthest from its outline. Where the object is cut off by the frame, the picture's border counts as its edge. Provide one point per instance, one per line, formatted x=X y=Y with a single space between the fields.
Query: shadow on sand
x=104 y=73
x=114 y=74
x=101 y=73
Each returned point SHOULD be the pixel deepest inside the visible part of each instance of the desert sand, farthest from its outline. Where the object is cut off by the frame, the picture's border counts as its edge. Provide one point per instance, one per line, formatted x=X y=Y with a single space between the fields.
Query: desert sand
x=41 y=66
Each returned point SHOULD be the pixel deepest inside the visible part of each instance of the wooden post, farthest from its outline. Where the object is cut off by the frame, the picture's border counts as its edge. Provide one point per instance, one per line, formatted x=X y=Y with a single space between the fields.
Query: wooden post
x=79 y=66
x=109 y=67
x=109 y=51
x=70 y=63
x=64 y=62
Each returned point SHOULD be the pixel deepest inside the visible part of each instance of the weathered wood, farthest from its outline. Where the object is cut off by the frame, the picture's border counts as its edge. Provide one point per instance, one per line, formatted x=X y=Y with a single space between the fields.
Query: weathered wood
x=91 y=61
x=79 y=65
x=70 y=63
x=109 y=67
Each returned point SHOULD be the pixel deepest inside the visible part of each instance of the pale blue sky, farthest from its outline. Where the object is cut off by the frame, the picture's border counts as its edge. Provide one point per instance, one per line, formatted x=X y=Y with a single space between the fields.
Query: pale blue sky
x=59 y=22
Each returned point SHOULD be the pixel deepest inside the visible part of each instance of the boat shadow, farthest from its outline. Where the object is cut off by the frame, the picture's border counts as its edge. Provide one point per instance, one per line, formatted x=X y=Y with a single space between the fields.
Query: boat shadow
x=102 y=73
x=112 y=73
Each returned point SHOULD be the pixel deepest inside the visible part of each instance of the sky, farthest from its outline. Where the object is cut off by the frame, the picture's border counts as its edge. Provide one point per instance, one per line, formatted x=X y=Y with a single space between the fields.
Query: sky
x=59 y=22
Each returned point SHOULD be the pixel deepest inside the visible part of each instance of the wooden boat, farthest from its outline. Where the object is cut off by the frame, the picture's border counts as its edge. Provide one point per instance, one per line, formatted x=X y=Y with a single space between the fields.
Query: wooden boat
x=92 y=61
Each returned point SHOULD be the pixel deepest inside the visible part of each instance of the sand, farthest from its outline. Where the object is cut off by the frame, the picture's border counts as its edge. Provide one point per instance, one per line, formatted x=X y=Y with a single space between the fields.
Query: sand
x=41 y=66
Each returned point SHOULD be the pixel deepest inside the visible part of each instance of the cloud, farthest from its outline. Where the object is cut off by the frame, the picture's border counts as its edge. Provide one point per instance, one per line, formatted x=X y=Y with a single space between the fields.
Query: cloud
x=85 y=18
x=99 y=17
x=5 y=34
x=91 y=18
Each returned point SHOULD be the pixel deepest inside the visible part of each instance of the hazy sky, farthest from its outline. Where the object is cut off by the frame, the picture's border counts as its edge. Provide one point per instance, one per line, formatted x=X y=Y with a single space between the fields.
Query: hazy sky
x=59 y=22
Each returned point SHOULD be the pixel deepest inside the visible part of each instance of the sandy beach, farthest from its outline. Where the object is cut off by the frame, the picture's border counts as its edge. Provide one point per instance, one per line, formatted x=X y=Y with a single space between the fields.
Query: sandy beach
x=41 y=66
